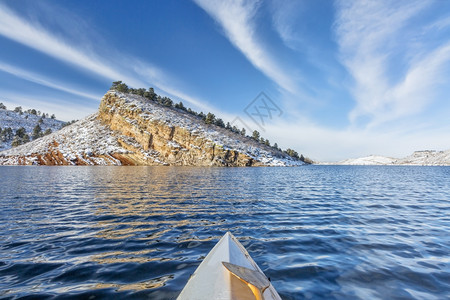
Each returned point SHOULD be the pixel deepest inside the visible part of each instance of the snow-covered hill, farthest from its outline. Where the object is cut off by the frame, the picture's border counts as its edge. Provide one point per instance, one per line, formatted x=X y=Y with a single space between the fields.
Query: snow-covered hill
x=368 y=160
x=426 y=158
x=16 y=120
x=418 y=158
x=84 y=142
x=132 y=130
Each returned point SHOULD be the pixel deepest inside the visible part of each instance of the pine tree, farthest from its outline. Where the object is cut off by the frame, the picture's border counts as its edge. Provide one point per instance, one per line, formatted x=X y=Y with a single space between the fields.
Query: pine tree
x=166 y=101
x=37 y=132
x=25 y=139
x=219 y=122
x=48 y=131
x=180 y=105
x=53 y=116
x=7 y=134
x=119 y=86
x=2 y=106
x=256 y=135
x=292 y=153
x=140 y=92
x=210 y=118
x=228 y=126
x=150 y=94
x=20 y=132
x=243 y=132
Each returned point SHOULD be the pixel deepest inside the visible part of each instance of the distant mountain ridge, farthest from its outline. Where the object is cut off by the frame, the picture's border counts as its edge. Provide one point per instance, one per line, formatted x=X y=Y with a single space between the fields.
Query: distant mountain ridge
x=418 y=158
x=132 y=130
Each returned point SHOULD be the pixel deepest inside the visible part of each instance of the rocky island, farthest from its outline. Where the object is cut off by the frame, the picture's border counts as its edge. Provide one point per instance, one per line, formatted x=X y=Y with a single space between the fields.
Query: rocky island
x=130 y=129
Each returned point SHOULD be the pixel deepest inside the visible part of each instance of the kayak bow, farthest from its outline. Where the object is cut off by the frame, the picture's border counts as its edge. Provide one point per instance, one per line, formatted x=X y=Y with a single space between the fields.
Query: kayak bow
x=228 y=272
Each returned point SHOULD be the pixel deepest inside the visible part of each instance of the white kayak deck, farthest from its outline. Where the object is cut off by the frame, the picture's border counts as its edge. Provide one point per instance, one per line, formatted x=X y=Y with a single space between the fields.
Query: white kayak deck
x=212 y=280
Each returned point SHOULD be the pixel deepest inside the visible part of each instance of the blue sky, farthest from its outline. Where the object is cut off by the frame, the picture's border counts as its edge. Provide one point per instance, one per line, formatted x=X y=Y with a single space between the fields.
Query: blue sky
x=351 y=78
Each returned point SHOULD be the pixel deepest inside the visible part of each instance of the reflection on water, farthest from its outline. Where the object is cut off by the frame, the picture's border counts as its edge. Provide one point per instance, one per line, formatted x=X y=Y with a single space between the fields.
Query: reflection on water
x=319 y=232
x=150 y=284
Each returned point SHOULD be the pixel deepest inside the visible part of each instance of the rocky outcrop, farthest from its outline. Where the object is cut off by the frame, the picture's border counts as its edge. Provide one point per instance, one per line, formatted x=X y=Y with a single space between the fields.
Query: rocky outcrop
x=175 y=145
x=131 y=130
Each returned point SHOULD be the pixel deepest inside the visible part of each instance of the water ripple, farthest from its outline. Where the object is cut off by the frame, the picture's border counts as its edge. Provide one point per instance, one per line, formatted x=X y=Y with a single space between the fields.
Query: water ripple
x=319 y=232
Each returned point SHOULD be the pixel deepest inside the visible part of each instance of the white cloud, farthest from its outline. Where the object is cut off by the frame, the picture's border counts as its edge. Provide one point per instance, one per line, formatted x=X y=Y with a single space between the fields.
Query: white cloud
x=440 y=24
x=160 y=79
x=395 y=72
x=236 y=17
x=33 y=36
x=285 y=14
x=42 y=80
x=111 y=67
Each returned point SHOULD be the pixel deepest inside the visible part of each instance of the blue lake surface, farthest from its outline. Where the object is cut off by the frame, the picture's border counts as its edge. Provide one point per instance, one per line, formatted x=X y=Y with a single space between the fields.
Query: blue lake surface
x=319 y=232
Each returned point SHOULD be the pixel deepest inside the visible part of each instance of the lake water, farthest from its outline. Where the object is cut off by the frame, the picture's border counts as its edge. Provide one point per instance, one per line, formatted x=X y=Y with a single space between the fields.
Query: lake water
x=319 y=232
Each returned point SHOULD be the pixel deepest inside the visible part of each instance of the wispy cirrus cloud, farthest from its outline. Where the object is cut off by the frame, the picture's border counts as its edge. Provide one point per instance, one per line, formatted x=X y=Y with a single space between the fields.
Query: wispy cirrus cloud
x=42 y=80
x=236 y=17
x=285 y=14
x=83 y=56
x=395 y=72
x=34 y=36
x=161 y=80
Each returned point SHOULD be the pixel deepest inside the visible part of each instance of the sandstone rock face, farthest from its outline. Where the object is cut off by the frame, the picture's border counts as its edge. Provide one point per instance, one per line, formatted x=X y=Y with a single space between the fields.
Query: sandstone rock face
x=175 y=145
x=132 y=130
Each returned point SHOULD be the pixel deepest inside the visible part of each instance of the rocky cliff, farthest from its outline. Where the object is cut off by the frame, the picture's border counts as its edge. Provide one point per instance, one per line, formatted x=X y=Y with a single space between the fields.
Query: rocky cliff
x=132 y=130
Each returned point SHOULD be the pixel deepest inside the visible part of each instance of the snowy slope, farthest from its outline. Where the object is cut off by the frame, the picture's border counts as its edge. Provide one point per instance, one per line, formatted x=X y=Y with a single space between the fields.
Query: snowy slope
x=369 y=160
x=427 y=157
x=82 y=136
x=418 y=158
x=81 y=140
x=28 y=121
